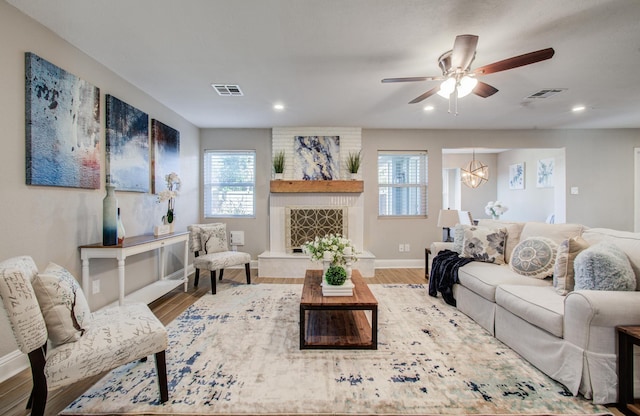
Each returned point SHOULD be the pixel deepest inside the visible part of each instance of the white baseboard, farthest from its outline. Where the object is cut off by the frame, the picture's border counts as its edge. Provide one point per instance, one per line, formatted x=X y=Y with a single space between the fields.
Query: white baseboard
x=12 y=363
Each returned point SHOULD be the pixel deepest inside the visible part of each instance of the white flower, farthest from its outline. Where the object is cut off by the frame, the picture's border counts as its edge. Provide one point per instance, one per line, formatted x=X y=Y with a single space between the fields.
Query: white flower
x=495 y=208
x=333 y=244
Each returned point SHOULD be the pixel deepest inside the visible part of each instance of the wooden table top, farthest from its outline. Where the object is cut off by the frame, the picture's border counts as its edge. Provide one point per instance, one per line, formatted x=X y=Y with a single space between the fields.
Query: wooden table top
x=312 y=292
x=632 y=330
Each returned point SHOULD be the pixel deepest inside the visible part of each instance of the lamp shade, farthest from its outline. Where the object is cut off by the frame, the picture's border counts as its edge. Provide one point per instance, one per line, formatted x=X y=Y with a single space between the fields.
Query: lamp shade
x=448 y=218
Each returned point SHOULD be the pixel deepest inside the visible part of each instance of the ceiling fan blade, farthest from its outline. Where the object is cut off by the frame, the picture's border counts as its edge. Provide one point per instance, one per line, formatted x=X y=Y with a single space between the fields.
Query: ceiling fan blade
x=425 y=95
x=516 y=61
x=464 y=50
x=411 y=79
x=484 y=90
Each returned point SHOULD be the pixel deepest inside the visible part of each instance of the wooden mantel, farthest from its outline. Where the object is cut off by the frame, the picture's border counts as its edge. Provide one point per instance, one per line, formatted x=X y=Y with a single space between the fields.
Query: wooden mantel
x=283 y=186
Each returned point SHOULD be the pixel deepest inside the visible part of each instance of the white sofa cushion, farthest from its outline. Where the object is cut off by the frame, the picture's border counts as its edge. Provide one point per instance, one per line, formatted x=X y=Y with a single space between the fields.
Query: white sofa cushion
x=556 y=232
x=483 y=278
x=534 y=257
x=540 y=306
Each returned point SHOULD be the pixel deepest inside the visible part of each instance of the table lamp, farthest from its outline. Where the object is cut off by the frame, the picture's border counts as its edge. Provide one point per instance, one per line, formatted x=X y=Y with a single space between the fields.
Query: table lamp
x=447 y=219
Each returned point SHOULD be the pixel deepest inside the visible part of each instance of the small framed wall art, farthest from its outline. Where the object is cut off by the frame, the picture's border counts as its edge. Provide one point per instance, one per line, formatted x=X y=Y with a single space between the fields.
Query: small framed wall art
x=544 y=177
x=516 y=176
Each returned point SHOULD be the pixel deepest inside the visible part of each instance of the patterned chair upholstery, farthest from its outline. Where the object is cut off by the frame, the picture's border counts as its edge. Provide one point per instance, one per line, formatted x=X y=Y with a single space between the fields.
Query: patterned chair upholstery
x=112 y=337
x=209 y=244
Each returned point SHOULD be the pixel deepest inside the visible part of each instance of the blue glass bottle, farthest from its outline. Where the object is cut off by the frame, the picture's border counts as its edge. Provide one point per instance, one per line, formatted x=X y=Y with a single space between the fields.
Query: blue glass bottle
x=110 y=217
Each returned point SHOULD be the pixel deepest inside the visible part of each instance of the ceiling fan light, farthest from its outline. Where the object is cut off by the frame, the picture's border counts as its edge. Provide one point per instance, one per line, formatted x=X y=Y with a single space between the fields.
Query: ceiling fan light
x=447 y=87
x=467 y=84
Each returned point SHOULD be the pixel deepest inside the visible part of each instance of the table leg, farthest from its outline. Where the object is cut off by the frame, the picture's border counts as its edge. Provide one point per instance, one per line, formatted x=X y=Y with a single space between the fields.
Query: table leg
x=185 y=266
x=625 y=371
x=302 y=326
x=374 y=327
x=121 y=281
x=163 y=261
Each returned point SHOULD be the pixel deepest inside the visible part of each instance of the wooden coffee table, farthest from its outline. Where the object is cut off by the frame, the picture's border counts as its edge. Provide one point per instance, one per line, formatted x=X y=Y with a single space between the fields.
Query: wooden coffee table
x=337 y=322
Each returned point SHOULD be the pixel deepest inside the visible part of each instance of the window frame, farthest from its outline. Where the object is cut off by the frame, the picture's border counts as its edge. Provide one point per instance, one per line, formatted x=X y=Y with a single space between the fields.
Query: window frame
x=422 y=185
x=207 y=184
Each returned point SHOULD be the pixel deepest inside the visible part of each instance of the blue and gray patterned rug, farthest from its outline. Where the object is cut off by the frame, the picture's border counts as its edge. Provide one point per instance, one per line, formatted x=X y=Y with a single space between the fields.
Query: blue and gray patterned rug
x=238 y=353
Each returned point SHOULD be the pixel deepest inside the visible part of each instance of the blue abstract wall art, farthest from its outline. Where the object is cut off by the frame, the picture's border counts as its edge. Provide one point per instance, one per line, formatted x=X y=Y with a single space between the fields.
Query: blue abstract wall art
x=317 y=157
x=545 y=173
x=166 y=153
x=62 y=114
x=127 y=145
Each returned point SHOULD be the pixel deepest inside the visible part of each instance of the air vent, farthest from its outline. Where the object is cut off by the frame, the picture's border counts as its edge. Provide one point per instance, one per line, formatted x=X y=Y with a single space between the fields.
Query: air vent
x=545 y=93
x=225 y=90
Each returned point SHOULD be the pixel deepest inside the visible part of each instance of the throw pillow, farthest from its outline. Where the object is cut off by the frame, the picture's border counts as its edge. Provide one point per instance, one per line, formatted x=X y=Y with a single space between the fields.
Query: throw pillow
x=484 y=244
x=563 y=274
x=458 y=237
x=214 y=238
x=534 y=257
x=604 y=266
x=64 y=307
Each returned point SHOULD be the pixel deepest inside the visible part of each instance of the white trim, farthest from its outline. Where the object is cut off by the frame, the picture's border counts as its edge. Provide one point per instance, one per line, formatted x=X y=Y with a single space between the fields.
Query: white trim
x=11 y=364
x=636 y=188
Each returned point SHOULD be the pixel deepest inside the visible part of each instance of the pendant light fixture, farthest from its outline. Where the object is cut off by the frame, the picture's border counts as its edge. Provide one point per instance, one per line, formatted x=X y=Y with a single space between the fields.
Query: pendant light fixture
x=475 y=173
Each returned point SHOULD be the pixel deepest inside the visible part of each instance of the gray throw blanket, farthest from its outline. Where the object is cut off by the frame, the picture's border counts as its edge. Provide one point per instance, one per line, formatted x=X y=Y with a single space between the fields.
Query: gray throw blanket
x=444 y=273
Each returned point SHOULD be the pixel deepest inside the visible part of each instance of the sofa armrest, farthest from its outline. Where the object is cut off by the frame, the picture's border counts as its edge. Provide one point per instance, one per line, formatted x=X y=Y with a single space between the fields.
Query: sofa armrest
x=591 y=317
x=436 y=248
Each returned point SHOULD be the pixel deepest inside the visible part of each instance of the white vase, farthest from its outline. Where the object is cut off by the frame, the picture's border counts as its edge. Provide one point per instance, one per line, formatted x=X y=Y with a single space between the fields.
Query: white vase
x=495 y=217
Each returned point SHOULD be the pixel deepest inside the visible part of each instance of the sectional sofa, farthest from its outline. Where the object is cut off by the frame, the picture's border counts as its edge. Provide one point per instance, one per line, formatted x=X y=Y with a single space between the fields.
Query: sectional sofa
x=558 y=311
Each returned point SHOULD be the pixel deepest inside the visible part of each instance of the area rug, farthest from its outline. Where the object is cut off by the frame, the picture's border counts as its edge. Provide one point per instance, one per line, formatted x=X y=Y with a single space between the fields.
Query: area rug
x=237 y=352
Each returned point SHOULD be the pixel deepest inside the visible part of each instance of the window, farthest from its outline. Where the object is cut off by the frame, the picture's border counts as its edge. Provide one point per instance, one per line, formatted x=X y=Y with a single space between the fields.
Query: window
x=229 y=183
x=402 y=183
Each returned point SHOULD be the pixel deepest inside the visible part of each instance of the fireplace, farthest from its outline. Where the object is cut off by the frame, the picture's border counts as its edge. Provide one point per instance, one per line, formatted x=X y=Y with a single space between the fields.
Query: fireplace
x=303 y=224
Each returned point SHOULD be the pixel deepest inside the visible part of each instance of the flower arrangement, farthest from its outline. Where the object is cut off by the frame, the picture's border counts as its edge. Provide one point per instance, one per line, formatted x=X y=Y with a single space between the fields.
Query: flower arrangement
x=495 y=209
x=173 y=186
x=335 y=244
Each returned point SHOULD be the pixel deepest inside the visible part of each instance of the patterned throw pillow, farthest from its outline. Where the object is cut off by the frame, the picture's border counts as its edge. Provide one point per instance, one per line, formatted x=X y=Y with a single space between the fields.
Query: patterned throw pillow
x=214 y=238
x=484 y=244
x=563 y=273
x=64 y=307
x=604 y=266
x=534 y=257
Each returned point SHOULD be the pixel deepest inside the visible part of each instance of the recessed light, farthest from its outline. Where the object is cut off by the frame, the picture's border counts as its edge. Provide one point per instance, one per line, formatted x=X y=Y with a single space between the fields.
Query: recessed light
x=578 y=108
x=278 y=107
x=429 y=108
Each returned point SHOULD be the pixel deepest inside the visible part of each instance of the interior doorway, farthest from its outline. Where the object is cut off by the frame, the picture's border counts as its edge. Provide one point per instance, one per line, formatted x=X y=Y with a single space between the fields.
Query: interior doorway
x=636 y=205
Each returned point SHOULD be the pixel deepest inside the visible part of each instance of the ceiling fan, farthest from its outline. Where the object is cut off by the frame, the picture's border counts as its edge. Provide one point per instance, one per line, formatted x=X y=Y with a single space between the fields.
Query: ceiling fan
x=458 y=77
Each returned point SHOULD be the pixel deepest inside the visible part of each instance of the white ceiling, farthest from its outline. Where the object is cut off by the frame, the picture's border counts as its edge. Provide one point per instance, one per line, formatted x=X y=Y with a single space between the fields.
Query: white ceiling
x=324 y=59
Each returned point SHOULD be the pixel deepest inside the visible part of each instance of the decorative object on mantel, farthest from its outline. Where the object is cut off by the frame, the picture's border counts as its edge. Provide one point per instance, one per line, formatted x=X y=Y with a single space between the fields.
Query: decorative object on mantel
x=476 y=173
x=333 y=250
x=495 y=209
x=278 y=165
x=121 y=233
x=353 y=164
x=110 y=217
x=173 y=186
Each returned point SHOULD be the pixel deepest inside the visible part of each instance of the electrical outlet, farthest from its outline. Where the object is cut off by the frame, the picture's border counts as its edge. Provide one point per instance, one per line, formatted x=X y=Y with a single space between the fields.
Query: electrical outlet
x=96 y=286
x=401 y=248
x=407 y=247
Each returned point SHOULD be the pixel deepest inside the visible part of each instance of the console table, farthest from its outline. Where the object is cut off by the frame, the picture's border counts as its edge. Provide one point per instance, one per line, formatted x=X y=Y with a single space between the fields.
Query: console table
x=136 y=245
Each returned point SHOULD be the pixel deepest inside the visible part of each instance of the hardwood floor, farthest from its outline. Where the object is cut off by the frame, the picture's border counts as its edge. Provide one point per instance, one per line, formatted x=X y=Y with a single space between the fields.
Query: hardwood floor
x=14 y=392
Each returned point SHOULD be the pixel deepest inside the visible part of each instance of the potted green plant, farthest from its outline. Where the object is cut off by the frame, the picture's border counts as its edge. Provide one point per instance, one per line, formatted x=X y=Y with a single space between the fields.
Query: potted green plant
x=353 y=163
x=278 y=164
x=336 y=275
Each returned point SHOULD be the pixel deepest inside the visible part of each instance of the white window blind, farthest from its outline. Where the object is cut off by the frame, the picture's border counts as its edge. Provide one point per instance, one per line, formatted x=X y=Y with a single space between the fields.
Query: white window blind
x=229 y=183
x=402 y=183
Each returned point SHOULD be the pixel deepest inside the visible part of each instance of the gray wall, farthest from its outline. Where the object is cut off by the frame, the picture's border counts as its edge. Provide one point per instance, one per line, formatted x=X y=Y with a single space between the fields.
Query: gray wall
x=49 y=223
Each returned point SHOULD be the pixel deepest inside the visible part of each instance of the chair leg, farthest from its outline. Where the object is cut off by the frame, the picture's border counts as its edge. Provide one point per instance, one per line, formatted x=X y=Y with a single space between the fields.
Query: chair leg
x=221 y=272
x=197 y=278
x=38 y=399
x=161 y=368
x=213 y=281
x=247 y=270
